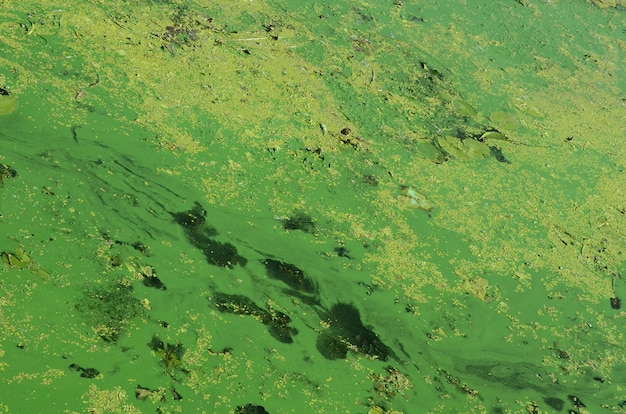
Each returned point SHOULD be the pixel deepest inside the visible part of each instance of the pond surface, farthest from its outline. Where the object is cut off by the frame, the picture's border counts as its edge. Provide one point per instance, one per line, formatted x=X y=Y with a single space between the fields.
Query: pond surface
x=329 y=207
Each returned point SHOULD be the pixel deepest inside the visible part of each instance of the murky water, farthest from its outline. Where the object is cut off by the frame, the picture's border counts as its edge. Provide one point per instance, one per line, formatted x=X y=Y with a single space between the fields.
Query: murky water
x=281 y=207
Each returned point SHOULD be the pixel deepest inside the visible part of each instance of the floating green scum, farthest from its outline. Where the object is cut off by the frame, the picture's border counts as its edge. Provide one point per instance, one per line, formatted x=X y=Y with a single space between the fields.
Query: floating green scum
x=312 y=207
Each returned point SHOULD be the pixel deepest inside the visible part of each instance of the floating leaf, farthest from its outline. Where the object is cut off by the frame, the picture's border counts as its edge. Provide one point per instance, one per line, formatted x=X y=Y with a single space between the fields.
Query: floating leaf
x=8 y=104
x=605 y=3
x=452 y=146
x=505 y=120
x=493 y=135
x=24 y=258
x=415 y=199
x=41 y=273
x=464 y=150
x=13 y=260
x=475 y=149
x=529 y=110
x=430 y=152
x=462 y=108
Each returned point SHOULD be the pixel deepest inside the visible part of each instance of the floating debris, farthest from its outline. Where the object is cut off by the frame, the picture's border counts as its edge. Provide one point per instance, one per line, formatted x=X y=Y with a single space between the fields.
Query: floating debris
x=153 y=281
x=578 y=404
x=251 y=409
x=149 y=277
x=414 y=199
x=20 y=260
x=6 y=172
x=85 y=372
x=603 y=4
x=141 y=393
x=391 y=384
x=478 y=287
x=300 y=221
x=170 y=355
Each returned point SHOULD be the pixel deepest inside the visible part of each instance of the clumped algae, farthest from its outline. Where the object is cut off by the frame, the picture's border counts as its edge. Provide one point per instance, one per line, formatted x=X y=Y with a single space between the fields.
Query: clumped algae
x=218 y=195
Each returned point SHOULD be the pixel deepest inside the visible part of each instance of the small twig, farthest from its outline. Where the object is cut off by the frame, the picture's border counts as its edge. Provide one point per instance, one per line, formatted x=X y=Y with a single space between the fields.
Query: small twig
x=97 y=80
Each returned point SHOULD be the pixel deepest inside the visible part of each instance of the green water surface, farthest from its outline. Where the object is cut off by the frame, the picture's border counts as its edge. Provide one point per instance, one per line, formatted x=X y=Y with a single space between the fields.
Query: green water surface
x=312 y=207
